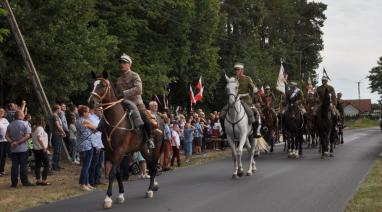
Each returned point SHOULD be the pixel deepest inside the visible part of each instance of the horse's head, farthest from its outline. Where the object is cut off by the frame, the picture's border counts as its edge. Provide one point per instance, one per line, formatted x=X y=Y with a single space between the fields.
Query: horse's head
x=232 y=90
x=101 y=90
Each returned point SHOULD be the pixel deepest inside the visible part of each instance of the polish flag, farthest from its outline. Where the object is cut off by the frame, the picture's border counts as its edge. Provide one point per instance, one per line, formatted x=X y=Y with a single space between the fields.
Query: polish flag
x=261 y=91
x=199 y=84
x=199 y=96
x=192 y=97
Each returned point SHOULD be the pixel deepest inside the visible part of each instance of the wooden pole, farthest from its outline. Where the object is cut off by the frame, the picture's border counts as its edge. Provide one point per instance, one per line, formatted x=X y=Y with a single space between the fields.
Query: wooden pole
x=29 y=64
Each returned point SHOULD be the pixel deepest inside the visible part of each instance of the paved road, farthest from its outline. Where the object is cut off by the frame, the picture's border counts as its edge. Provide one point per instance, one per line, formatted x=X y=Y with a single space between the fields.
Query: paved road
x=280 y=184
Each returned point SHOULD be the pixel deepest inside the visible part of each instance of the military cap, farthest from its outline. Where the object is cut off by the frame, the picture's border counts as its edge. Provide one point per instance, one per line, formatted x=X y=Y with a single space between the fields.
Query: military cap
x=125 y=58
x=238 y=65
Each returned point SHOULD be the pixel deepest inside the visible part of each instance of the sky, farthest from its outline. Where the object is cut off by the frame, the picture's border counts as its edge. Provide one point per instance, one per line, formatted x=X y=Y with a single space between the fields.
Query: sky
x=352 y=45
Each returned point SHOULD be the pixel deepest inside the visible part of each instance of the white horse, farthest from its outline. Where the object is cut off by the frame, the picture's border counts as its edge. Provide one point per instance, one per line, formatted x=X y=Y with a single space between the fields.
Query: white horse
x=238 y=130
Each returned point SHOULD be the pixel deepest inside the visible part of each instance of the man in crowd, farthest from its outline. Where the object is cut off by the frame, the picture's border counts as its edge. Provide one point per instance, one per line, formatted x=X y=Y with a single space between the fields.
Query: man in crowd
x=18 y=133
x=95 y=171
x=58 y=134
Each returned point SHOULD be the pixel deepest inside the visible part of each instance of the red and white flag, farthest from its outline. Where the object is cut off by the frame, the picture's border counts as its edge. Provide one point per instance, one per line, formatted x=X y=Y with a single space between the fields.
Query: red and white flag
x=199 y=96
x=261 y=91
x=192 y=97
x=199 y=84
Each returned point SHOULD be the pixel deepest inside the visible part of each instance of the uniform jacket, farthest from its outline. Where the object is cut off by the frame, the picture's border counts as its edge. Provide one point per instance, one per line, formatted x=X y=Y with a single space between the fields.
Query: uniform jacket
x=320 y=94
x=129 y=85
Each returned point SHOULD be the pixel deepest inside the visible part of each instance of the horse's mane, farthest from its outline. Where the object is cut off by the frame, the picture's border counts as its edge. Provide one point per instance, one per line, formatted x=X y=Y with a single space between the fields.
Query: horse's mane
x=232 y=80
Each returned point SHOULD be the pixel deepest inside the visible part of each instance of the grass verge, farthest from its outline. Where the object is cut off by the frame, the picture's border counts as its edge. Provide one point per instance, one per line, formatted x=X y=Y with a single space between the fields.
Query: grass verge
x=369 y=195
x=65 y=185
x=361 y=123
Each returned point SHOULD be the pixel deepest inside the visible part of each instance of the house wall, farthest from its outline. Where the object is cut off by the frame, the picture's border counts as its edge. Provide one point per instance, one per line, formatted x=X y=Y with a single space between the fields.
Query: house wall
x=350 y=111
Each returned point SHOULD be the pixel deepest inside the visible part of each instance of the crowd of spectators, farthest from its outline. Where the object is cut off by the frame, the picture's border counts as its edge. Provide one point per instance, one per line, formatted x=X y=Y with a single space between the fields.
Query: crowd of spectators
x=72 y=127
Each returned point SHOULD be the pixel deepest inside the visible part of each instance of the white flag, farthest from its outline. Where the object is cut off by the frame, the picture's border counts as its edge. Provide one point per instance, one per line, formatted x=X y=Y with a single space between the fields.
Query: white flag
x=281 y=80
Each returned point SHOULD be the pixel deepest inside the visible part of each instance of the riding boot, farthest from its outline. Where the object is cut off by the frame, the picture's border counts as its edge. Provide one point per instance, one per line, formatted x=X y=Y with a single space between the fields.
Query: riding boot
x=148 y=128
x=256 y=127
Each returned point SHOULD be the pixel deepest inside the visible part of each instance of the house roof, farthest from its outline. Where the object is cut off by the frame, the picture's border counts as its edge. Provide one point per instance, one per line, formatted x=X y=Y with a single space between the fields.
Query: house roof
x=363 y=105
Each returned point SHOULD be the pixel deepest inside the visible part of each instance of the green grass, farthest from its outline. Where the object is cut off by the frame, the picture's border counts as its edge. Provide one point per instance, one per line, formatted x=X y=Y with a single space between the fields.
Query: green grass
x=361 y=123
x=369 y=195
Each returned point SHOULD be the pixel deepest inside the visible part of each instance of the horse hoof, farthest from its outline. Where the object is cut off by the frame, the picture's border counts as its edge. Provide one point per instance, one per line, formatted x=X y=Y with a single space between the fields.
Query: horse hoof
x=240 y=173
x=235 y=177
x=120 y=199
x=253 y=171
x=149 y=194
x=331 y=155
x=249 y=174
x=108 y=203
x=155 y=188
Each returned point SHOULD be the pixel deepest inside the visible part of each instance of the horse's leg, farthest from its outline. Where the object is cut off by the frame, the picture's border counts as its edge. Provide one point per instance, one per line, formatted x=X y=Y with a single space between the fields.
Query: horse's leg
x=108 y=202
x=120 y=198
x=273 y=137
x=233 y=150
x=239 y=150
x=300 y=144
x=252 y=163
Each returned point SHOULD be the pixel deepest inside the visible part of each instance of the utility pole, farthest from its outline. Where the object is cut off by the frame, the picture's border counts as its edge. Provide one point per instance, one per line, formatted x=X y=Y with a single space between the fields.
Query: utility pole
x=29 y=64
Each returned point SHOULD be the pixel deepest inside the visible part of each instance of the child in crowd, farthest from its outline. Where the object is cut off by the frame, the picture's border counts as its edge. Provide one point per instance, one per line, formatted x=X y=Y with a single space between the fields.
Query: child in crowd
x=175 y=143
x=73 y=140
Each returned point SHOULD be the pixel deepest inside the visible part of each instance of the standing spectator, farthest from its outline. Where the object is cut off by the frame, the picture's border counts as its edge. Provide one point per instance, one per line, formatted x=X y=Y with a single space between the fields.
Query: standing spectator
x=65 y=126
x=73 y=140
x=84 y=134
x=95 y=171
x=18 y=133
x=198 y=136
x=167 y=144
x=137 y=156
x=40 y=150
x=3 y=142
x=58 y=134
x=188 y=137
x=175 y=143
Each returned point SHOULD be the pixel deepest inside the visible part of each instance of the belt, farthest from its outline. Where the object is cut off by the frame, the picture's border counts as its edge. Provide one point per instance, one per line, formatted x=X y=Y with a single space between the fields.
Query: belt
x=243 y=95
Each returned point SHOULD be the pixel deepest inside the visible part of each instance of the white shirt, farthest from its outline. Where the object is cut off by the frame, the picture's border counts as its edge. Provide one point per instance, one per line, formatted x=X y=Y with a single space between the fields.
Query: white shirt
x=39 y=133
x=175 y=141
x=3 y=129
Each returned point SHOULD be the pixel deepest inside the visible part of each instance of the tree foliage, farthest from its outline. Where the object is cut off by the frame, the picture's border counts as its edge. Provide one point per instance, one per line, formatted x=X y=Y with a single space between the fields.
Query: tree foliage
x=375 y=78
x=172 y=43
x=3 y=31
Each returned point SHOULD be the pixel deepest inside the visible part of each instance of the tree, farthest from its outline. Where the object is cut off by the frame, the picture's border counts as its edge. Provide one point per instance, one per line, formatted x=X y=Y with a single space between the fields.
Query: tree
x=375 y=78
x=3 y=32
x=66 y=42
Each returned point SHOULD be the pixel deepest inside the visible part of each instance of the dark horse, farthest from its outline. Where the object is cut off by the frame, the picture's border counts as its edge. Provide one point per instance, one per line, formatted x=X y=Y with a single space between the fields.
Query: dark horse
x=311 y=134
x=294 y=123
x=119 y=137
x=325 y=123
x=270 y=125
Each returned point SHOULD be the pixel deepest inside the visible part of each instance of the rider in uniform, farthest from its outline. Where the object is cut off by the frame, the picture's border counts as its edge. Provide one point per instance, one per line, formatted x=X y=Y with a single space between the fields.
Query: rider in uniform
x=129 y=85
x=245 y=92
x=295 y=95
x=320 y=95
x=269 y=98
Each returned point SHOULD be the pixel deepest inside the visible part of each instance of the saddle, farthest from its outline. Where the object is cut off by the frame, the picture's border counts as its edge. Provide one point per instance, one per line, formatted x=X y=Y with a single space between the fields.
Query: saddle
x=133 y=114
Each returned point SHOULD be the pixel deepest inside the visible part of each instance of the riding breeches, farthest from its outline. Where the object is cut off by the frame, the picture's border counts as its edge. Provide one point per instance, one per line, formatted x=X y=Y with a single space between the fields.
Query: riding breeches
x=248 y=111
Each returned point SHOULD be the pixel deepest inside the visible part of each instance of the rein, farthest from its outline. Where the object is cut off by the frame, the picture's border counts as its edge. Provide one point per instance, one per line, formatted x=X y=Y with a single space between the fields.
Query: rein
x=238 y=121
x=107 y=105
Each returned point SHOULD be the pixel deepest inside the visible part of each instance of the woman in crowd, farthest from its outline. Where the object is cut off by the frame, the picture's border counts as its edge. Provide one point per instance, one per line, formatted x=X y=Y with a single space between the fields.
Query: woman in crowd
x=3 y=142
x=198 y=136
x=85 y=129
x=188 y=137
x=40 y=150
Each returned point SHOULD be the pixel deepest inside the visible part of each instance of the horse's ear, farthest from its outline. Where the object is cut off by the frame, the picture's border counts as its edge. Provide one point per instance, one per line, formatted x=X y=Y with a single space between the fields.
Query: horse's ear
x=105 y=75
x=93 y=75
x=226 y=77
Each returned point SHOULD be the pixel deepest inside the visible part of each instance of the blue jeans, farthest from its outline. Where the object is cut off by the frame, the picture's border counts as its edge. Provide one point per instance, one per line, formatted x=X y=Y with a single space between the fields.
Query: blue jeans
x=72 y=148
x=19 y=161
x=95 y=171
x=57 y=146
x=86 y=162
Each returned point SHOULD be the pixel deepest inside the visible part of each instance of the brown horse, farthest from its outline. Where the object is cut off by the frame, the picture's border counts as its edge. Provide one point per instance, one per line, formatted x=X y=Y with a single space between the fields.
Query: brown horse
x=120 y=138
x=270 y=126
